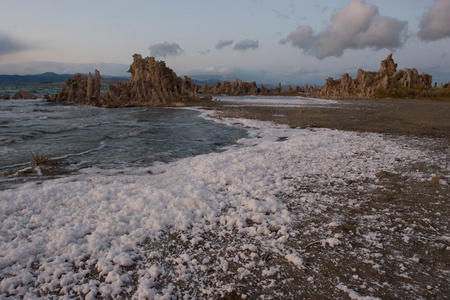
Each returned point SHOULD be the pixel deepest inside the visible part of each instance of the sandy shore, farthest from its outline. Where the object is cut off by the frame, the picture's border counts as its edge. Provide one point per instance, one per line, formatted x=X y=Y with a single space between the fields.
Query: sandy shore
x=392 y=116
x=399 y=204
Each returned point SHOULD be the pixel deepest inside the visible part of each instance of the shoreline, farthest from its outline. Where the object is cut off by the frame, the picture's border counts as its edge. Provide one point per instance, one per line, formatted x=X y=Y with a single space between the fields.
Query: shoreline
x=293 y=214
x=410 y=117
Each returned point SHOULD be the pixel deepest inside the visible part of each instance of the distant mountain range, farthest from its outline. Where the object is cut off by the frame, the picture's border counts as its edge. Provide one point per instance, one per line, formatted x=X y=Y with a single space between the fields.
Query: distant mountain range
x=49 y=77
x=209 y=82
x=212 y=82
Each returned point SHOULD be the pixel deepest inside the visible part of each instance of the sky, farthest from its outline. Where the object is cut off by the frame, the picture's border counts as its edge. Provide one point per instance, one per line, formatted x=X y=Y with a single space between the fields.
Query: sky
x=267 y=41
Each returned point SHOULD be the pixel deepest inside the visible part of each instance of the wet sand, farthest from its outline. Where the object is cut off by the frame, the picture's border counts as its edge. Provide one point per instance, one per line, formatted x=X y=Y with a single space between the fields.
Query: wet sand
x=391 y=116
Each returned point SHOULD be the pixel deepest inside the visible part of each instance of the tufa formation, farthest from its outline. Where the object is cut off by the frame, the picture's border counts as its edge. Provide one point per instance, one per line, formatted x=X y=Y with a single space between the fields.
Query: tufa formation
x=152 y=83
x=21 y=94
x=80 y=90
x=366 y=84
x=235 y=88
x=241 y=88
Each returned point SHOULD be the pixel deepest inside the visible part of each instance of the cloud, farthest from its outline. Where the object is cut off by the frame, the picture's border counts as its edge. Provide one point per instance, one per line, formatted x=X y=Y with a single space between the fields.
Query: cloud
x=204 y=52
x=280 y=15
x=222 y=44
x=246 y=44
x=359 y=25
x=165 y=49
x=219 y=72
x=230 y=73
x=435 y=23
x=9 y=45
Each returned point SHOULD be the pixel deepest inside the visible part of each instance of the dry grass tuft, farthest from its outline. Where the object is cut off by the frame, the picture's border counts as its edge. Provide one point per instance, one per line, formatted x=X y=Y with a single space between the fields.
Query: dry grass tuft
x=39 y=159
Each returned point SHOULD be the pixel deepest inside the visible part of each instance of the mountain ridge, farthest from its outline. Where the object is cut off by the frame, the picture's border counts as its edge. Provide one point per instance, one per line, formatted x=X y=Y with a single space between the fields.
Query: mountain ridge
x=52 y=77
x=49 y=77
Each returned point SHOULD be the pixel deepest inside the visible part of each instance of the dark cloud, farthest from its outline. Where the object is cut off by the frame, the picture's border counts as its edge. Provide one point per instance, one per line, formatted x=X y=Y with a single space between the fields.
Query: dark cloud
x=222 y=44
x=9 y=45
x=165 y=49
x=359 y=25
x=280 y=15
x=246 y=45
x=204 y=52
x=435 y=23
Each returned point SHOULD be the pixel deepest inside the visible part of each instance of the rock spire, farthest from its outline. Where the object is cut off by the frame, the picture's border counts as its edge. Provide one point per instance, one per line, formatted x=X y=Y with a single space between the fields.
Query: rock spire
x=152 y=83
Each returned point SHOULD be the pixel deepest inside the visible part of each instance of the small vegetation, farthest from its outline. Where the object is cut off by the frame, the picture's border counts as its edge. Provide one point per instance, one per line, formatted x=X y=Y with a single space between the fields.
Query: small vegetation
x=398 y=91
x=39 y=159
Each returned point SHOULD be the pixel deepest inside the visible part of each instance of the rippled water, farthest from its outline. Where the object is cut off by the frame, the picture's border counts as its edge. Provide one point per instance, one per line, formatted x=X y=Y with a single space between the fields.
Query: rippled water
x=106 y=138
x=39 y=90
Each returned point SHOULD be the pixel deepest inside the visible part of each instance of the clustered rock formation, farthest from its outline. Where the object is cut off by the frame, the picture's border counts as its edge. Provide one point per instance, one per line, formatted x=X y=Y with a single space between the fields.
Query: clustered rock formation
x=152 y=83
x=235 y=88
x=241 y=88
x=289 y=91
x=80 y=90
x=366 y=84
x=19 y=95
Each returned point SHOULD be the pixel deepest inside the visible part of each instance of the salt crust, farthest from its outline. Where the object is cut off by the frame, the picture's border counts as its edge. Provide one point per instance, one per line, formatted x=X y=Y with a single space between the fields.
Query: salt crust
x=50 y=233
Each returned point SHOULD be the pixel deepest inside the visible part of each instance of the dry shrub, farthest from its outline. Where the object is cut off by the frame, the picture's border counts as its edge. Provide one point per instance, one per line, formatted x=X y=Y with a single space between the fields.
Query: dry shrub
x=39 y=159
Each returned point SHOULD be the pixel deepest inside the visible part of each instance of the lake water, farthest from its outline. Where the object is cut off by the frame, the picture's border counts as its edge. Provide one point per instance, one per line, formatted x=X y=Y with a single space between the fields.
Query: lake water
x=84 y=136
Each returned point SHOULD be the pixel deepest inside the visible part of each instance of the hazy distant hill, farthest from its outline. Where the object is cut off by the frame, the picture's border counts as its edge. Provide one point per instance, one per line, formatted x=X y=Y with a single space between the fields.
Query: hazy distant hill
x=209 y=82
x=212 y=82
x=49 y=77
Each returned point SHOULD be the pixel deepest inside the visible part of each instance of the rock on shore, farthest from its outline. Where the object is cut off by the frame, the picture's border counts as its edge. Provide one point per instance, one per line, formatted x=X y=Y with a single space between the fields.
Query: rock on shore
x=366 y=84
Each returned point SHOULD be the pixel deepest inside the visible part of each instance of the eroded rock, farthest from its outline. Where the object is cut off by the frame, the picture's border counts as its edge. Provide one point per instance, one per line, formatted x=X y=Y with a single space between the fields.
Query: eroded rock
x=152 y=83
x=235 y=88
x=242 y=88
x=366 y=84
x=79 y=89
x=23 y=95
